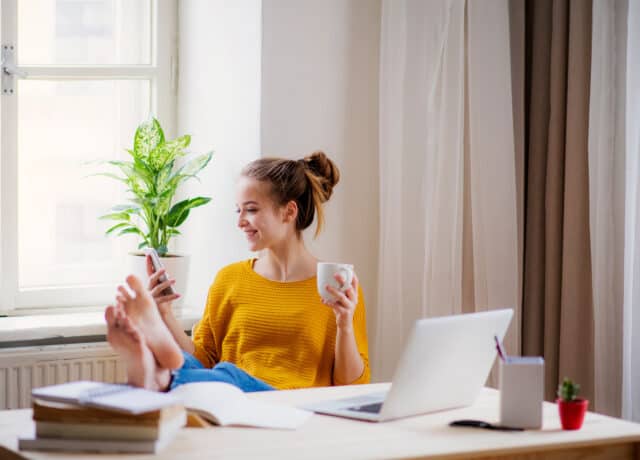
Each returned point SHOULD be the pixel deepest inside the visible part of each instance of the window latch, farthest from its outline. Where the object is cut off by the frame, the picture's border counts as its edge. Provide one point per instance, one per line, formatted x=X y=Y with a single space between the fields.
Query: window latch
x=9 y=70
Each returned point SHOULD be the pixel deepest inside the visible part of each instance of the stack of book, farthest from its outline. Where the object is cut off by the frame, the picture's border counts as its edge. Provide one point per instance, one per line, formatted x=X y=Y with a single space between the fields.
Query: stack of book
x=76 y=424
x=100 y=417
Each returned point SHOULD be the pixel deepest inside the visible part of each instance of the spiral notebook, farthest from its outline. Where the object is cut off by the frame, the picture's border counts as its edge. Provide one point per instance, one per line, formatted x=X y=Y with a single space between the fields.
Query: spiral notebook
x=121 y=398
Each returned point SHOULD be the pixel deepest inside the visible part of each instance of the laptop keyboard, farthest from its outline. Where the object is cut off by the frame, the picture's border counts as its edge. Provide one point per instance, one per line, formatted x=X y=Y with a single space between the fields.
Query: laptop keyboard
x=370 y=408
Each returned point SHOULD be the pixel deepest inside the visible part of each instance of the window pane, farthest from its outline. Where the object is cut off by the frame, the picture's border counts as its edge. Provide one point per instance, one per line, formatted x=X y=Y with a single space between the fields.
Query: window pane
x=63 y=125
x=84 y=32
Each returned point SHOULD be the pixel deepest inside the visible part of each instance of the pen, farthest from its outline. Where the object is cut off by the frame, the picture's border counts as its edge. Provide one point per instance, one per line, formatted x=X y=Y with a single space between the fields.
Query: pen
x=501 y=353
x=481 y=424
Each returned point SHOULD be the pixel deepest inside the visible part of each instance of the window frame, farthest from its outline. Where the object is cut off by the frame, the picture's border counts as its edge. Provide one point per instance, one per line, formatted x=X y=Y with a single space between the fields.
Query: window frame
x=162 y=74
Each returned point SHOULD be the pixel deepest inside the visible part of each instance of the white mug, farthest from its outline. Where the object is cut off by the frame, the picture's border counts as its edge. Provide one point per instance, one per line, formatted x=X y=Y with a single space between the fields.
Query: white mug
x=325 y=276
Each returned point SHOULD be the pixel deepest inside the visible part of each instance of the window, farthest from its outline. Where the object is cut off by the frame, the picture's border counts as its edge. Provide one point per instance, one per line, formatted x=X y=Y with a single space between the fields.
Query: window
x=82 y=75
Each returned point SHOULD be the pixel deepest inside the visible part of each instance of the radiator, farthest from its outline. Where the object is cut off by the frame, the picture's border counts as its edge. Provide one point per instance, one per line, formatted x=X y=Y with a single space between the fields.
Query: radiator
x=24 y=368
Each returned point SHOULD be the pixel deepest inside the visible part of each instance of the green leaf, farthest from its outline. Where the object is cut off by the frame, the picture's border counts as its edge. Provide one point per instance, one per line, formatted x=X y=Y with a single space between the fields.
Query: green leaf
x=135 y=230
x=168 y=151
x=126 y=208
x=116 y=216
x=164 y=201
x=125 y=166
x=189 y=170
x=173 y=232
x=163 y=175
x=143 y=245
x=116 y=227
x=179 y=212
x=142 y=168
x=194 y=166
x=148 y=136
x=198 y=201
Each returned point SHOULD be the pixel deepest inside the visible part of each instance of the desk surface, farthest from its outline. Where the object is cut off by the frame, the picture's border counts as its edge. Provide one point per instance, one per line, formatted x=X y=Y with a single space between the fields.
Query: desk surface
x=427 y=436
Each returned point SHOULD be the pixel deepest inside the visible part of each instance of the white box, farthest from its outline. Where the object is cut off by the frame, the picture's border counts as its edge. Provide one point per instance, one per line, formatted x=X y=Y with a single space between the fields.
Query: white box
x=521 y=391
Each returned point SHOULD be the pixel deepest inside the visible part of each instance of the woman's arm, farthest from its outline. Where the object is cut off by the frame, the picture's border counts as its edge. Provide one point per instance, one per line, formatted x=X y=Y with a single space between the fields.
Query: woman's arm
x=349 y=365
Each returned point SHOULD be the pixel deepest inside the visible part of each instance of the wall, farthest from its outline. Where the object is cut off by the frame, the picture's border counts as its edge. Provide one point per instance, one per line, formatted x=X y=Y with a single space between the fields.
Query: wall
x=219 y=104
x=320 y=91
x=305 y=75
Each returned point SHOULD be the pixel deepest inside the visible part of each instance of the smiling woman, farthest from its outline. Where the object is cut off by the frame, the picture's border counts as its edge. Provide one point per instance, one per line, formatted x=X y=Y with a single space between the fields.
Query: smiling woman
x=308 y=183
x=264 y=325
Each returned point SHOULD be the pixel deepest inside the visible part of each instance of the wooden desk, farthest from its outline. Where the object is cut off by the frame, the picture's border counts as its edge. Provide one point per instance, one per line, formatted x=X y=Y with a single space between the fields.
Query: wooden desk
x=332 y=438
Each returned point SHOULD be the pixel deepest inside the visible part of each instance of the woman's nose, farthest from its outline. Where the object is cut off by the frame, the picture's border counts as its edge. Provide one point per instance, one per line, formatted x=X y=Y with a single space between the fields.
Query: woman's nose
x=241 y=221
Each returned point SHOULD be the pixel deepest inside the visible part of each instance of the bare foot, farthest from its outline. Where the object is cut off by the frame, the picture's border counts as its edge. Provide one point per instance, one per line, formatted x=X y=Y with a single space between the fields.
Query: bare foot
x=126 y=339
x=143 y=312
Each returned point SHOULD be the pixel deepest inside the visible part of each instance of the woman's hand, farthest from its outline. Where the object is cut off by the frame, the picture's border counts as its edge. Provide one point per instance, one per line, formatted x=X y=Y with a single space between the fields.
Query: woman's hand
x=344 y=304
x=164 y=301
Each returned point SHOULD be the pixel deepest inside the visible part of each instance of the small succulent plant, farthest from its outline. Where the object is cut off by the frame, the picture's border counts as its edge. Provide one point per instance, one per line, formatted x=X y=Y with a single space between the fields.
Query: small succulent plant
x=568 y=390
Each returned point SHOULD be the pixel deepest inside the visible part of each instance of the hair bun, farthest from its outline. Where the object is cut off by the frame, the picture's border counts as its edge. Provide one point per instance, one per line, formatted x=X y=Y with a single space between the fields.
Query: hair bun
x=325 y=170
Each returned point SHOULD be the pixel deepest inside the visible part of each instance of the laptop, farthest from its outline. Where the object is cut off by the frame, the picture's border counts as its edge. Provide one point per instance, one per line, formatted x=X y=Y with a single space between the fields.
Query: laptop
x=444 y=365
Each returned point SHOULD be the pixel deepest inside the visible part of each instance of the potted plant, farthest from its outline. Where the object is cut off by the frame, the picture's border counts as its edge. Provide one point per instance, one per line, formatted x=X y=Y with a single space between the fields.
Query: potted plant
x=152 y=177
x=570 y=407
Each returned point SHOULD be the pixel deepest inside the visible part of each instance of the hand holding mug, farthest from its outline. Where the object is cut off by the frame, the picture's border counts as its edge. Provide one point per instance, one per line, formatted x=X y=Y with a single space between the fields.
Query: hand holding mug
x=338 y=287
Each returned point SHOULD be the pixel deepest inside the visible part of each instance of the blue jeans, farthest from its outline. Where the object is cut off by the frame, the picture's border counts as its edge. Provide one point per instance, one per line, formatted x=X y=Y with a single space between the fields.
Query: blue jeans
x=193 y=371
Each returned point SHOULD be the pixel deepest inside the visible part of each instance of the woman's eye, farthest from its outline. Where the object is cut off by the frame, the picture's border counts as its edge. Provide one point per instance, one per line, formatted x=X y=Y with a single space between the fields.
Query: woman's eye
x=251 y=210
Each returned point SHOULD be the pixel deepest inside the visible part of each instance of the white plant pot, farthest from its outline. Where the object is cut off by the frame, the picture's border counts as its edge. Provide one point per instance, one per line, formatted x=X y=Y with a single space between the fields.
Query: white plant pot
x=177 y=266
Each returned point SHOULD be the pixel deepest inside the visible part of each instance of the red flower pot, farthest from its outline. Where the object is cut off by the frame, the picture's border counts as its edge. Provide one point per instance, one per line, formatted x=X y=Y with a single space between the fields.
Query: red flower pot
x=572 y=413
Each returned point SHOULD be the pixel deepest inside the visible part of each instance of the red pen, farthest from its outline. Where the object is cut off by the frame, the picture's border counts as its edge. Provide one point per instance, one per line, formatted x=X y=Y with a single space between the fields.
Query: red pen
x=501 y=353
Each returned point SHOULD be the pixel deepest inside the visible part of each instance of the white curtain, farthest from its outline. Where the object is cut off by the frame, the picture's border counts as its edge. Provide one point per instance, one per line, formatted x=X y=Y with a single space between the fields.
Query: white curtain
x=614 y=176
x=447 y=168
x=631 y=346
x=606 y=196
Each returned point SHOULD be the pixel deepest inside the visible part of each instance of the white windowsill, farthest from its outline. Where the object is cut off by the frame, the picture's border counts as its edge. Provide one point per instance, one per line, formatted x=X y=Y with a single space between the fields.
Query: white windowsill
x=67 y=325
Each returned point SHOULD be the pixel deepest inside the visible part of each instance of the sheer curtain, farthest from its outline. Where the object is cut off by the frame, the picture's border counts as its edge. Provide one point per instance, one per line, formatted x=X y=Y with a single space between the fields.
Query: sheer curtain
x=606 y=196
x=631 y=345
x=448 y=221
x=614 y=177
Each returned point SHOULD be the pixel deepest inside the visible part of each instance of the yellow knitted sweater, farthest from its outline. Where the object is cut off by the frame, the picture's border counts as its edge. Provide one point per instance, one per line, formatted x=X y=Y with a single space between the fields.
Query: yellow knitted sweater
x=279 y=332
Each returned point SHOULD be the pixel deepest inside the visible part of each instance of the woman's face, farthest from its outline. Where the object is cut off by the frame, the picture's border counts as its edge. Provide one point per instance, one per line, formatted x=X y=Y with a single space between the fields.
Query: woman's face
x=264 y=224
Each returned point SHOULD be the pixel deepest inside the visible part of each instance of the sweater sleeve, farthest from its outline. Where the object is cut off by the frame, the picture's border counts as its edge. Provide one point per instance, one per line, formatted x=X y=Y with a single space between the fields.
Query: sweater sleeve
x=204 y=338
x=360 y=332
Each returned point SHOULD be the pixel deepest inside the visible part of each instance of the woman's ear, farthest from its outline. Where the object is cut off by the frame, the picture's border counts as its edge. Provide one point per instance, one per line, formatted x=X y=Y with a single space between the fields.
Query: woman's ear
x=290 y=212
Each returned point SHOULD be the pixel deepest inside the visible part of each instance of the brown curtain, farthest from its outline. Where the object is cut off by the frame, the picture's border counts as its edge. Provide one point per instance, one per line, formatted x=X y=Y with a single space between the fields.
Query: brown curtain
x=558 y=321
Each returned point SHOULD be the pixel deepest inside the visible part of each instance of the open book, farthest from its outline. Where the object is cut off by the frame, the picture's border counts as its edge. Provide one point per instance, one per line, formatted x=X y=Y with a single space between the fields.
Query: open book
x=225 y=404
x=220 y=403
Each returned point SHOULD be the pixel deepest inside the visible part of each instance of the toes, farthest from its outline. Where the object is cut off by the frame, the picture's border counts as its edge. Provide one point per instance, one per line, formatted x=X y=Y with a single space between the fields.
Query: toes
x=135 y=284
x=110 y=315
x=126 y=324
x=120 y=314
x=122 y=291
